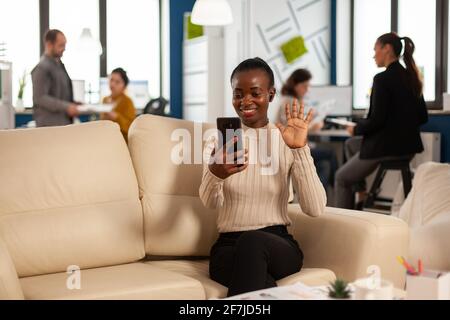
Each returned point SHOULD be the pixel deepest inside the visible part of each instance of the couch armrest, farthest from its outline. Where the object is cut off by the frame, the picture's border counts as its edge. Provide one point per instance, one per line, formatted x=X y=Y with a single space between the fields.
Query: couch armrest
x=430 y=242
x=348 y=242
x=10 y=288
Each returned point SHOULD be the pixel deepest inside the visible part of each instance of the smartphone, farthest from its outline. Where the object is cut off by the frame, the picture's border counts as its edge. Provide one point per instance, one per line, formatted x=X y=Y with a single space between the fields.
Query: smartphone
x=228 y=129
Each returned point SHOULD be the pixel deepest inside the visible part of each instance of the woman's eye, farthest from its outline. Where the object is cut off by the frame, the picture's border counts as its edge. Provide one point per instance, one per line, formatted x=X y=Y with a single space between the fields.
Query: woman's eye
x=237 y=96
x=256 y=94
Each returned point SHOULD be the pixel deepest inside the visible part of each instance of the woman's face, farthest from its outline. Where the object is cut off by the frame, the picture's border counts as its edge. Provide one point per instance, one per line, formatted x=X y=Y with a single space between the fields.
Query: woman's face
x=381 y=54
x=252 y=94
x=301 y=89
x=116 y=85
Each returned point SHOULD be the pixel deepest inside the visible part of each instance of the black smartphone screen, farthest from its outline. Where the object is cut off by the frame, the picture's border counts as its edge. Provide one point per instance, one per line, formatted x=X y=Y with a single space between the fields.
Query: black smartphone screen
x=229 y=128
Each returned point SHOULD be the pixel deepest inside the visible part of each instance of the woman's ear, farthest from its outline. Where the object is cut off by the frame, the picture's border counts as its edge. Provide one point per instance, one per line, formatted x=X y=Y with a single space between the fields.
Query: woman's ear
x=272 y=93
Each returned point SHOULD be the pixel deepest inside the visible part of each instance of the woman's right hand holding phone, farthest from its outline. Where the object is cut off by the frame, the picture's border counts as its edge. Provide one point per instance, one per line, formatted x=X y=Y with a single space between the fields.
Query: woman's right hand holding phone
x=224 y=164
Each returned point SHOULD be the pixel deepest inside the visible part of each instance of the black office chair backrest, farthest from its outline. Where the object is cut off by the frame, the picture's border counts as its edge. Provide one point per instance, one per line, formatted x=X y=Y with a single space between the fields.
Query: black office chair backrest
x=156 y=106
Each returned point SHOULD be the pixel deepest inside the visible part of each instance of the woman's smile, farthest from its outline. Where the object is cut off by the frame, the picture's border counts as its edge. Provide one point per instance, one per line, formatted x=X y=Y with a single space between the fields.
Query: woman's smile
x=248 y=112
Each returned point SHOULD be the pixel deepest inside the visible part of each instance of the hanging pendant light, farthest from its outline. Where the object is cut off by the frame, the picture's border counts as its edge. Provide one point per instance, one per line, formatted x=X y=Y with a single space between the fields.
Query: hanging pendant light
x=212 y=13
x=87 y=43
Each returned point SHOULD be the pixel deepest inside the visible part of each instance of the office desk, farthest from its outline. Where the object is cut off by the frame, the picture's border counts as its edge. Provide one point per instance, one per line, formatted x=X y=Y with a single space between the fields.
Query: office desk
x=334 y=138
x=23 y=117
x=336 y=134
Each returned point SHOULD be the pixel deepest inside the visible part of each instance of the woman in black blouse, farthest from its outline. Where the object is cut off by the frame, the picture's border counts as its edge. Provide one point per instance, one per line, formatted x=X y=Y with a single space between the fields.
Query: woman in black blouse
x=392 y=128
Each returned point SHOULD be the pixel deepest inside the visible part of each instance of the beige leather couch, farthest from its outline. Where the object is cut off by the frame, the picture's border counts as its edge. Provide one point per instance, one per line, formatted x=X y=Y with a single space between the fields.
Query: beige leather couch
x=427 y=213
x=132 y=221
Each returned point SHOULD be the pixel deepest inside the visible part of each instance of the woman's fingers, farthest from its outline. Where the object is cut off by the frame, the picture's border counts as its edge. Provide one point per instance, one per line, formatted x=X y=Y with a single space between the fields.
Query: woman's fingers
x=227 y=146
x=310 y=115
x=237 y=168
x=302 y=111
x=295 y=109
x=287 y=109
x=235 y=157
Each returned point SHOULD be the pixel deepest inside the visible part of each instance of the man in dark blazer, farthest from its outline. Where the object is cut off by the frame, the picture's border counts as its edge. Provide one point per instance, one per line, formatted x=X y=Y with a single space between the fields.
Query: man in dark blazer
x=53 y=103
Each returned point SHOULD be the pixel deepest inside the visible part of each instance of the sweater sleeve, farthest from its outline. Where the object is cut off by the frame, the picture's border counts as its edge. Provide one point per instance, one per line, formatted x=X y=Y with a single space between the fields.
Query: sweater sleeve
x=211 y=188
x=311 y=193
x=125 y=114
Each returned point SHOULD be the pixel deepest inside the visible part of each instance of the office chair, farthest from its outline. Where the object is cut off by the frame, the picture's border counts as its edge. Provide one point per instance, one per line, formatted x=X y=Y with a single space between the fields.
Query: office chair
x=156 y=106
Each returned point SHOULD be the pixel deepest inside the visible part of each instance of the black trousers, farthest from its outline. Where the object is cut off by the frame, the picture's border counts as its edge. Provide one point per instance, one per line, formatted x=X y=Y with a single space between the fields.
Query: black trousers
x=253 y=260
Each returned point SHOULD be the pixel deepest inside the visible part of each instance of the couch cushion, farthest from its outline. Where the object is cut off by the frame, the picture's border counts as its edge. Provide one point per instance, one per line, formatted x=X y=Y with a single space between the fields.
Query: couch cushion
x=69 y=196
x=428 y=198
x=130 y=281
x=176 y=222
x=199 y=270
x=10 y=288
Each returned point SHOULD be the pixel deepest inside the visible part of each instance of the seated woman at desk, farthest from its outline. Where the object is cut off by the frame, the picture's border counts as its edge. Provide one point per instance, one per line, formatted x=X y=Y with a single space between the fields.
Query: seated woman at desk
x=123 y=111
x=392 y=128
x=296 y=87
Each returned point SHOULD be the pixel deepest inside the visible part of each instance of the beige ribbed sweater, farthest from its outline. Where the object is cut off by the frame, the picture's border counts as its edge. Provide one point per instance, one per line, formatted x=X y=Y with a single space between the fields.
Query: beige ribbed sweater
x=258 y=197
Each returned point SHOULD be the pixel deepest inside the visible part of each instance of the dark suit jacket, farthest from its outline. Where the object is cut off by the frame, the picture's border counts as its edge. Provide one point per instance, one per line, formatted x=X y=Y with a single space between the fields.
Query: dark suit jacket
x=52 y=93
x=392 y=127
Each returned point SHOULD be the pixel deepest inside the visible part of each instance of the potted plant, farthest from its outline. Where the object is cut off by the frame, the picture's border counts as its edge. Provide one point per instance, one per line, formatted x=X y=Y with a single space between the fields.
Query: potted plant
x=22 y=85
x=339 y=290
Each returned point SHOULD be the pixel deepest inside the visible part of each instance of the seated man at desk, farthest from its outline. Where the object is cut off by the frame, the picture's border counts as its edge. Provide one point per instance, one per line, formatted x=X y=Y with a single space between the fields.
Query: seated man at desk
x=297 y=87
x=53 y=103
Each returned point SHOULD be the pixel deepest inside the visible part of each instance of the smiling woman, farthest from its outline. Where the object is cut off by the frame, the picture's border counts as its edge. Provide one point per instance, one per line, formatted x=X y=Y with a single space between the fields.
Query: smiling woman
x=253 y=90
x=254 y=248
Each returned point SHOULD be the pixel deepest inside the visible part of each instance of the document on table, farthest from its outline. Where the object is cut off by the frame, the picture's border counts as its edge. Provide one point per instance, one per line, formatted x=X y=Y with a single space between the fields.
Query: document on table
x=341 y=122
x=96 y=108
x=298 y=291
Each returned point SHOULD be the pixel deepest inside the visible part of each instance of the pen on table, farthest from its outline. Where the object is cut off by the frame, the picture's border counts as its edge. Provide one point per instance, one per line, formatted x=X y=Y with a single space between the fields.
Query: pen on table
x=403 y=262
x=420 y=266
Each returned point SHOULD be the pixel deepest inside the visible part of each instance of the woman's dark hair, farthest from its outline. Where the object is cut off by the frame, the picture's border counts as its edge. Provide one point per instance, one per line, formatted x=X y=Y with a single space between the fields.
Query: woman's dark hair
x=413 y=72
x=298 y=76
x=123 y=74
x=254 y=64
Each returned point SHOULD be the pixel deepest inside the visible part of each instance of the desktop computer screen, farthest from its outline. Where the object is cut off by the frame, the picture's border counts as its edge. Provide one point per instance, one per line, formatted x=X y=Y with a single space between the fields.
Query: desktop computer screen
x=79 y=91
x=137 y=90
x=333 y=101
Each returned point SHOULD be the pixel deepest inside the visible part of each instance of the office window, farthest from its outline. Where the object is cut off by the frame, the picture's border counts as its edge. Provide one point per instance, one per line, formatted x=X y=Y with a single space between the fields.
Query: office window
x=82 y=61
x=371 y=19
x=343 y=43
x=448 y=60
x=19 y=31
x=417 y=20
x=133 y=40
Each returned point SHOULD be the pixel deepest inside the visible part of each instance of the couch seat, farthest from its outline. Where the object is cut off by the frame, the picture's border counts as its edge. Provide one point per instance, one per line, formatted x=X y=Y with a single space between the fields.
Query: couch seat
x=129 y=281
x=199 y=270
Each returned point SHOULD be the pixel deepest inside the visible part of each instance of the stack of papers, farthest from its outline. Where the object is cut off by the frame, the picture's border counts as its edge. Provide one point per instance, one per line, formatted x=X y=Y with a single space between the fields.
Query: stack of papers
x=298 y=291
x=95 y=108
x=341 y=122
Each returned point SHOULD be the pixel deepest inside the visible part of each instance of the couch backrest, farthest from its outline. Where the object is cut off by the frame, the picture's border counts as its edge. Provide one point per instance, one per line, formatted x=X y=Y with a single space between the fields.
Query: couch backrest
x=68 y=196
x=176 y=222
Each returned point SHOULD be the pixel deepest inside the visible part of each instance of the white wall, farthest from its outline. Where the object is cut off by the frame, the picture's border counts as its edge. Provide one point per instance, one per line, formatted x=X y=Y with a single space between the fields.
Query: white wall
x=261 y=26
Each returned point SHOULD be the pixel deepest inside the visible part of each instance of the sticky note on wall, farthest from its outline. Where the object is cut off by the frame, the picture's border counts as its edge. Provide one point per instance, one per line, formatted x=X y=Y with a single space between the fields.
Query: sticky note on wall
x=294 y=49
x=192 y=30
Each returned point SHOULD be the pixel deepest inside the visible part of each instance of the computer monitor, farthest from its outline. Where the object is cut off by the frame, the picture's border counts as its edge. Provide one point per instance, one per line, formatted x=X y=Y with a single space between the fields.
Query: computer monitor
x=332 y=101
x=137 y=90
x=79 y=91
x=7 y=119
